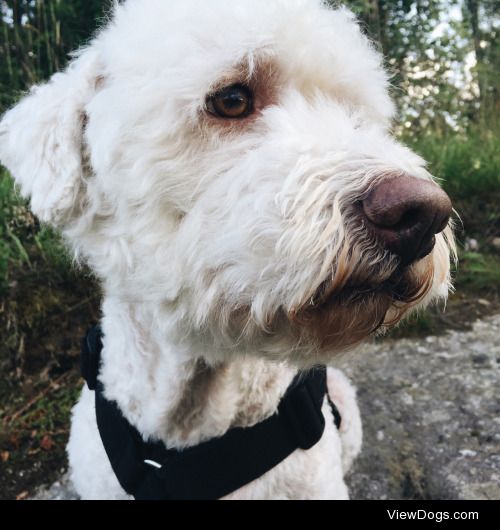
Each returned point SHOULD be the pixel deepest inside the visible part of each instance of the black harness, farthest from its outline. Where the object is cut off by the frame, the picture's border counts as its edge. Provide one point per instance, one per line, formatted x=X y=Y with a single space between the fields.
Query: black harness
x=147 y=470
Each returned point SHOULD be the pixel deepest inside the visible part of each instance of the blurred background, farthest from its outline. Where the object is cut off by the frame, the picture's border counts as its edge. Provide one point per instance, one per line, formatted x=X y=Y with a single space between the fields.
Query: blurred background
x=444 y=58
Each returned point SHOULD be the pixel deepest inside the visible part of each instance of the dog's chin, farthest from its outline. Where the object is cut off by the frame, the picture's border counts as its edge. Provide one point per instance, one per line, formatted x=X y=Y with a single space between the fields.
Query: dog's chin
x=337 y=320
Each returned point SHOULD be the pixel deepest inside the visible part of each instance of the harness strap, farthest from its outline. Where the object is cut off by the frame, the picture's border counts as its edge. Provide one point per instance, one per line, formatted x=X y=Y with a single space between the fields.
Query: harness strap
x=215 y=468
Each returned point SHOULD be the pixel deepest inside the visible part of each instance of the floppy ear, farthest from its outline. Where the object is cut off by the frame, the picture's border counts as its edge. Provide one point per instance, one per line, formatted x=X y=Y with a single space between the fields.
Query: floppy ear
x=41 y=140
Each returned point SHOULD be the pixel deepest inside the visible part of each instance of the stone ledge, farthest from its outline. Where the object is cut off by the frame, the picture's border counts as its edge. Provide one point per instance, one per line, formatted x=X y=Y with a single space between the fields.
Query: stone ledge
x=431 y=416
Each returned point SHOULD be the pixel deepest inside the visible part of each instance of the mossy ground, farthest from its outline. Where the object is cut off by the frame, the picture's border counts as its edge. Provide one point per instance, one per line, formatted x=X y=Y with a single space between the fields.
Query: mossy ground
x=42 y=322
x=45 y=306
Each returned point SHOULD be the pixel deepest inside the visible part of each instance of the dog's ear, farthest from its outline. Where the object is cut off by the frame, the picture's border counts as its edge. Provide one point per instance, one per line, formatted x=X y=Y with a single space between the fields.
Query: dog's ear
x=41 y=139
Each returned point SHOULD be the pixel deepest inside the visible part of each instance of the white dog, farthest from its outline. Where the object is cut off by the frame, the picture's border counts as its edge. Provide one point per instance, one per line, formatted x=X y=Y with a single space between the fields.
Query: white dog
x=227 y=171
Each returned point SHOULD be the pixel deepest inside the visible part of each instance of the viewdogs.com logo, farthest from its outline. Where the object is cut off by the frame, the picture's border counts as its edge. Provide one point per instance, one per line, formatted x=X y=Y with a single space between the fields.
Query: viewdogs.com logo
x=420 y=515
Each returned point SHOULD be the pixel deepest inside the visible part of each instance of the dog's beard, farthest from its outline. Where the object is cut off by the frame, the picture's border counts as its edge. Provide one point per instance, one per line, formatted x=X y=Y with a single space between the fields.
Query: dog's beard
x=337 y=319
x=345 y=309
x=367 y=290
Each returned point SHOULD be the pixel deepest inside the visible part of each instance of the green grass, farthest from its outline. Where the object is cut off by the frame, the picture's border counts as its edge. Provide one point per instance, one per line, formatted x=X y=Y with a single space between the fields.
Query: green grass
x=479 y=271
x=25 y=246
x=469 y=165
x=9 y=248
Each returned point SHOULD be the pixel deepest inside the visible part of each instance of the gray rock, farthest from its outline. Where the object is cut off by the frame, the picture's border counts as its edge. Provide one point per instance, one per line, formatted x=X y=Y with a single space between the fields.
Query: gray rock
x=59 y=491
x=471 y=245
x=431 y=416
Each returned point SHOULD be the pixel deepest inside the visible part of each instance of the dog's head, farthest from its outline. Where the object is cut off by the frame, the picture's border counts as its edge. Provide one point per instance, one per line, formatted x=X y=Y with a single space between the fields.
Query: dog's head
x=231 y=164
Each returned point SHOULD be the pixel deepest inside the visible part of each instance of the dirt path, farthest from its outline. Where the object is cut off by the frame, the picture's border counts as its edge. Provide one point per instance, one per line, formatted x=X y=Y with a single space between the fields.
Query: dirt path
x=431 y=414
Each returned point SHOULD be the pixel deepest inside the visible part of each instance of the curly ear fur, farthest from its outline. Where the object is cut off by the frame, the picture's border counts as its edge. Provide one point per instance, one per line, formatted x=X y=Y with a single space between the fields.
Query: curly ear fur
x=41 y=140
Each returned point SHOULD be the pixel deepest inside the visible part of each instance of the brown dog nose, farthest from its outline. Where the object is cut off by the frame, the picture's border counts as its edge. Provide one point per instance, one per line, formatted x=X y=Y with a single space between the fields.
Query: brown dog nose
x=405 y=213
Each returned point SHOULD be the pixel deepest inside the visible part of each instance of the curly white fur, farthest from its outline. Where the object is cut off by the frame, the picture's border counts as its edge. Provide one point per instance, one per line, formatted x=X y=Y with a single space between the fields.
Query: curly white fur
x=211 y=236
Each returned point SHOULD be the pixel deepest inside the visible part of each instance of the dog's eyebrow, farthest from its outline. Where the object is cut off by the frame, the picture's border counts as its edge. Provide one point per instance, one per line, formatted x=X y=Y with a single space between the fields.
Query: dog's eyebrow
x=255 y=66
x=261 y=73
x=239 y=74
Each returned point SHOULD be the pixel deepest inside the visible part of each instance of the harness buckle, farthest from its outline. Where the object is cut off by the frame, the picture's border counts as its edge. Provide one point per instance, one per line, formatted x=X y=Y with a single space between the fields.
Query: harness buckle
x=152 y=463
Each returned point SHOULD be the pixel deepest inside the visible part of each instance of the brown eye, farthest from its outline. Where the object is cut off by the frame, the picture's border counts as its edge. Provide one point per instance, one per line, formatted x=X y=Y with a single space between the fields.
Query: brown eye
x=231 y=102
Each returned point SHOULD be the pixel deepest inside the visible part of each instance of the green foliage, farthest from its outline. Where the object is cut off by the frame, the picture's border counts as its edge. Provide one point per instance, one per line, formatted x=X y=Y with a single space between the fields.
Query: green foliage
x=25 y=246
x=444 y=56
x=36 y=37
x=480 y=271
x=469 y=164
x=12 y=250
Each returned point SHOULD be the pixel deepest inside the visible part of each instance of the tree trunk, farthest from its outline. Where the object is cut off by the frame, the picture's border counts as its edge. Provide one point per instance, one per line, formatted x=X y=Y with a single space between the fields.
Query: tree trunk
x=473 y=15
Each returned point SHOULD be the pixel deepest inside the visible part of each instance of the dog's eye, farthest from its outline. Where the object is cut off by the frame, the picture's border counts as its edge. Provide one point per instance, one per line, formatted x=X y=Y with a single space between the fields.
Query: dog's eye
x=231 y=102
